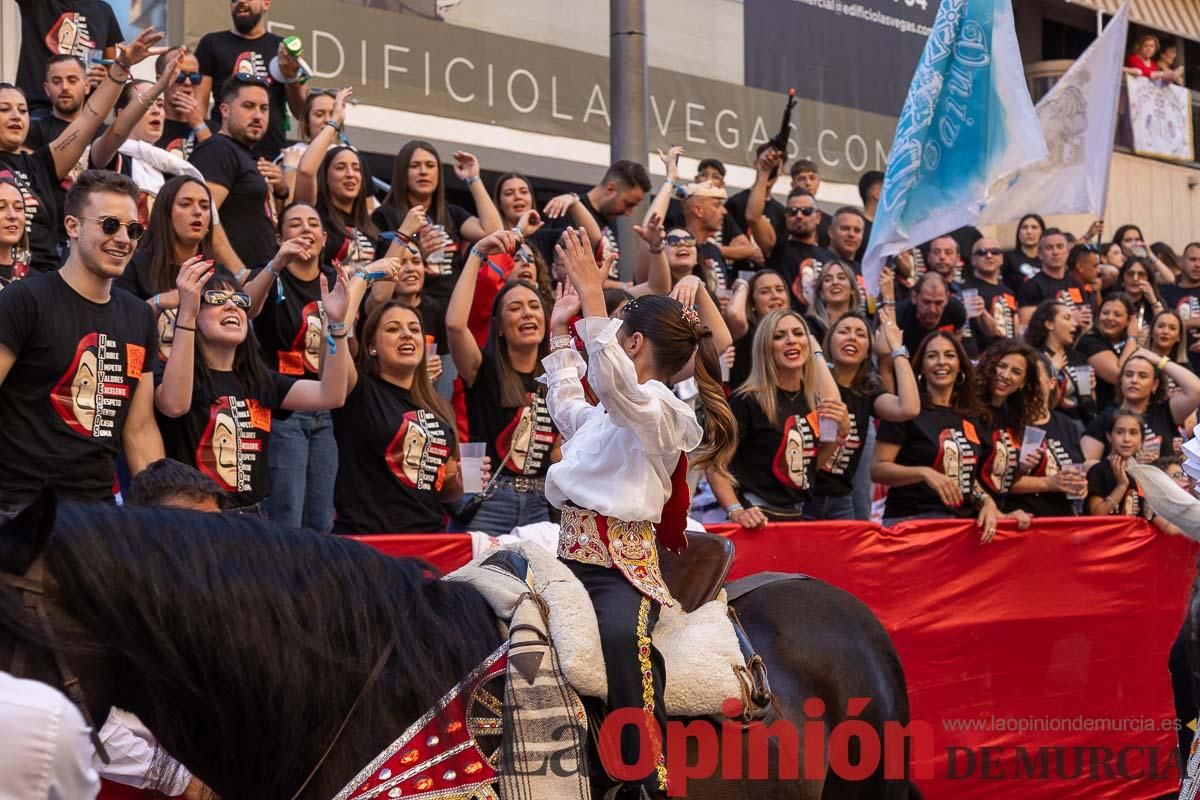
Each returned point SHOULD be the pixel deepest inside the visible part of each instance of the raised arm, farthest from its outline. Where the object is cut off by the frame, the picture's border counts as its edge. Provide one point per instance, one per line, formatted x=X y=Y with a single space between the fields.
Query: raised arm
x=173 y=396
x=466 y=167
x=657 y=279
x=306 y=173
x=259 y=287
x=463 y=347
x=330 y=391
x=68 y=148
x=565 y=398
x=905 y=402
x=758 y=225
x=105 y=148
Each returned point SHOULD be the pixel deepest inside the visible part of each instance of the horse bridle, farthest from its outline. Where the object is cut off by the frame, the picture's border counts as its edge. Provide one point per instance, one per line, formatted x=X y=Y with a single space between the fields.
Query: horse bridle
x=32 y=587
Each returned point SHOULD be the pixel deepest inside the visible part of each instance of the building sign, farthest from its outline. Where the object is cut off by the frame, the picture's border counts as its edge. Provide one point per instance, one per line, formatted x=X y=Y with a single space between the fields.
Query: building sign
x=420 y=63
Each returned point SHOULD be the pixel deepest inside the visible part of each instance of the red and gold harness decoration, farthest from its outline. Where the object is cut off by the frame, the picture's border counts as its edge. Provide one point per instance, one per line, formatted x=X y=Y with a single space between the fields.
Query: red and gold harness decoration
x=450 y=753
x=590 y=538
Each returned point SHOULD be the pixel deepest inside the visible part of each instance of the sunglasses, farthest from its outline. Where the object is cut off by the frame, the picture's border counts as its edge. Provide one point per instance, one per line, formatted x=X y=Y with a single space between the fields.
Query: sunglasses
x=193 y=78
x=218 y=297
x=110 y=225
x=681 y=241
x=804 y=212
x=989 y=251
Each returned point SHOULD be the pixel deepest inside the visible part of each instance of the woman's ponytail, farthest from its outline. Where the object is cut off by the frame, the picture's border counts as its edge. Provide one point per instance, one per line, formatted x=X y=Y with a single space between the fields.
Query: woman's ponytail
x=720 y=429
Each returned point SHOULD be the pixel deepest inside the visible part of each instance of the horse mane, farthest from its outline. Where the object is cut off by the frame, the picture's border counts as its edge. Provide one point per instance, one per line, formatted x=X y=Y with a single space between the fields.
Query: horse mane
x=242 y=645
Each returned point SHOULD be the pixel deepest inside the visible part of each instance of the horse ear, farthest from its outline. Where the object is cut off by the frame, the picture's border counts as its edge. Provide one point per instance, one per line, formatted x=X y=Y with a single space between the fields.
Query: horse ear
x=23 y=536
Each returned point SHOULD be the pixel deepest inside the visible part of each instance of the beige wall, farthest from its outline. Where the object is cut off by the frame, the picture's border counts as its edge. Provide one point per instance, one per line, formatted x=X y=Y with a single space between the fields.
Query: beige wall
x=1152 y=194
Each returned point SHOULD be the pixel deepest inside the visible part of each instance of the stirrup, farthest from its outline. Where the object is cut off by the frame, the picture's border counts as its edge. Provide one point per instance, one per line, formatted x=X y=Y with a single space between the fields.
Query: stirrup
x=757 y=697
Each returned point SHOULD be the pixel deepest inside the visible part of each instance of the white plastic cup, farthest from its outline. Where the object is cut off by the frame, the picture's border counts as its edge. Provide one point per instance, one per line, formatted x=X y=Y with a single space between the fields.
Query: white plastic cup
x=430 y=350
x=1083 y=380
x=968 y=298
x=724 y=371
x=471 y=463
x=1032 y=441
x=1076 y=469
x=828 y=429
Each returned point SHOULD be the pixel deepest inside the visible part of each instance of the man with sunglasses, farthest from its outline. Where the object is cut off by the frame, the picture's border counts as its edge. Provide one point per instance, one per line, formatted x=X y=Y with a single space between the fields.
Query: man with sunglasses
x=248 y=50
x=992 y=313
x=184 y=126
x=800 y=252
x=77 y=357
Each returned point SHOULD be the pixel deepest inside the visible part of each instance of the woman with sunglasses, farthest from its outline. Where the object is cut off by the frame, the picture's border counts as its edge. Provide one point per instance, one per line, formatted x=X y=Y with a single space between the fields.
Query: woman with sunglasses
x=43 y=169
x=14 y=241
x=778 y=412
x=1143 y=390
x=931 y=462
x=1110 y=342
x=505 y=407
x=180 y=229
x=848 y=348
x=417 y=181
x=1053 y=474
x=1139 y=283
x=285 y=298
x=765 y=292
x=217 y=401
x=836 y=294
x=397 y=445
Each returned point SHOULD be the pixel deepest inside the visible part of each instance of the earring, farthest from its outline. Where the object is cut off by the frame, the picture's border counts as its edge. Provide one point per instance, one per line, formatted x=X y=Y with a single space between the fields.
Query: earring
x=960 y=380
x=371 y=352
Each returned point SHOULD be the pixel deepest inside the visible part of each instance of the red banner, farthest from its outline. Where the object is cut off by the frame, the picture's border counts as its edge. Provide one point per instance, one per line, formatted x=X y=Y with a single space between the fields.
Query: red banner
x=1039 y=660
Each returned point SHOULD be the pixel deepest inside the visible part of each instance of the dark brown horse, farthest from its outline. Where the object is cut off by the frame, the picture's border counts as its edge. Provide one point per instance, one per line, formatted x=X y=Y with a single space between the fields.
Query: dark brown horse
x=244 y=646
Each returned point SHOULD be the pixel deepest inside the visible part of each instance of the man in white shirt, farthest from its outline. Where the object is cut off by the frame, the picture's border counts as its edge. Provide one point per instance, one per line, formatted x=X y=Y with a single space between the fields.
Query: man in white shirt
x=45 y=746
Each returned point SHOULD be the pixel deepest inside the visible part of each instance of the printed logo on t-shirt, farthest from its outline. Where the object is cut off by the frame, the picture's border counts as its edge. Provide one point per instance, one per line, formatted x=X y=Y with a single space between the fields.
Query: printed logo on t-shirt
x=1053 y=458
x=356 y=249
x=100 y=381
x=797 y=449
x=70 y=36
x=956 y=459
x=182 y=146
x=28 y=198
x=841 y=460
x=608 y=244
x=418 y=452
x=166 y=333
x=305 y=355
x=1000 y=469
x=1004 y=308
x=231 y=443
x=530 y=435
x=250 y=65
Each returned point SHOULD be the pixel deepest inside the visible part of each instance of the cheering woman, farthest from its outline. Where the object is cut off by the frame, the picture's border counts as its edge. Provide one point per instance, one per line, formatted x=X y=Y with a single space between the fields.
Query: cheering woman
x=621 y=483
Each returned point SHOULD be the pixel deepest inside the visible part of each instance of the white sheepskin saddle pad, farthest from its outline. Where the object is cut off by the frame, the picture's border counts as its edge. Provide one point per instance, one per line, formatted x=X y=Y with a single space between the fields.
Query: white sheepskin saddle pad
x=693 y=646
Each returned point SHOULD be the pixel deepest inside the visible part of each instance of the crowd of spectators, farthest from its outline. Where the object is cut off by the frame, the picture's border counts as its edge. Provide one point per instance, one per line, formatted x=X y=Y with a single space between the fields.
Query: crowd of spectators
x=321 y=350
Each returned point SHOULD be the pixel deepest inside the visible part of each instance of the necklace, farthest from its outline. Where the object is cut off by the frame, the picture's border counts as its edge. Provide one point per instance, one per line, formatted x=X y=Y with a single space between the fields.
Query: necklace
x=791 y=396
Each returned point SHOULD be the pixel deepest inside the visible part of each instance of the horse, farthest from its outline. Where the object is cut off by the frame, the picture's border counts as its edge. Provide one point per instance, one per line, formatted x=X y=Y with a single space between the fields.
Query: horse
x=261 y=657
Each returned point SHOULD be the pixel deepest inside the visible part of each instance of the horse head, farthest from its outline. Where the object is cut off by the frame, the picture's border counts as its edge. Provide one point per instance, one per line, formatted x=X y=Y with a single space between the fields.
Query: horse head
x=40 y=638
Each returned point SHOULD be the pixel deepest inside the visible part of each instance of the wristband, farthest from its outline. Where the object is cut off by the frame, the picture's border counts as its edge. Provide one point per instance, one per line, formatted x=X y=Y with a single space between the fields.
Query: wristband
x=470 y=179
x=154 y=302
x=203 y=126
x=733 y=508
x=337 y=126
x=241 y=276
x=271 y=269
x=1162 y=363
x=370 y=278
x=654 y=252
x=179 y=327
x=562 y=342
x=117 y=80
x=403 y=237
x=142 y=101
x=475 y=251
x=900 y=352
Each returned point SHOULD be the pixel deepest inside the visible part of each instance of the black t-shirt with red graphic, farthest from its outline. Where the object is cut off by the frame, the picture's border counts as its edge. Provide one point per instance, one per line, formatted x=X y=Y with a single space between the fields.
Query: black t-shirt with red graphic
x=349 y=245
x=954 y=316
x=55 y=27
x=392 y=458
x=36 y=176
x=227 y=432
x=64 y=403
x=1160 y=434
x=1102 y=481
x=1043 y=287
x=388 y=218
x=1000 y=454
x=248 y=213
x=937 y=438
x=1062 y=448
x=528 y=429
x=776 y=462
x=1001 y=303
x=1186 y=302
x=289 y=329
x=178 y=138
x=224 y=53
x=837 y=479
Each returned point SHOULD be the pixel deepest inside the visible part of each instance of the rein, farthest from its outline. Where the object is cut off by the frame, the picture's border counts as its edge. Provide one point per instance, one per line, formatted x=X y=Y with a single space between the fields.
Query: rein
x=33 y=592
x=376 y=671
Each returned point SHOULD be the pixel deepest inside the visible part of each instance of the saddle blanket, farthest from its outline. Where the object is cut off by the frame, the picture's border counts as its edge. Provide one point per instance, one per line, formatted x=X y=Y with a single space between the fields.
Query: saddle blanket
x=692 y=645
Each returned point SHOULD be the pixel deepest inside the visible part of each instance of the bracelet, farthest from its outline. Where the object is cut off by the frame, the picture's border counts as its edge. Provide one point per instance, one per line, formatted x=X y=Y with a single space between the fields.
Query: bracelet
x=1162 y=363
x=562 y=342
x=116 y=80
x=370 y=278
x=403 y=237
x=179 y=327
x=336 y=336
x=142 y=101
x=477 y=253
x=154 y=302
x=203 y=126
x=574 y=195
x=654 y=252
x=241 y=276
x=337 y=326
x=900 y=352
x=470 y=179
x=271 y=269
x=337 y=126
x=733 y=508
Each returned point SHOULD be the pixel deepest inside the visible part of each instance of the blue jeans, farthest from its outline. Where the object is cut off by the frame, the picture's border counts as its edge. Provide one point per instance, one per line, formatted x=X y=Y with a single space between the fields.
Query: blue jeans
x=830 y=506
x=864 y=487
x=508 y=509
x=304 y=463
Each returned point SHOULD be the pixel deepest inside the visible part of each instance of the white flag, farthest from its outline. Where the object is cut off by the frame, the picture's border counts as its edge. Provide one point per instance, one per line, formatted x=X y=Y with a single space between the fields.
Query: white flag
x=1078 y=118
